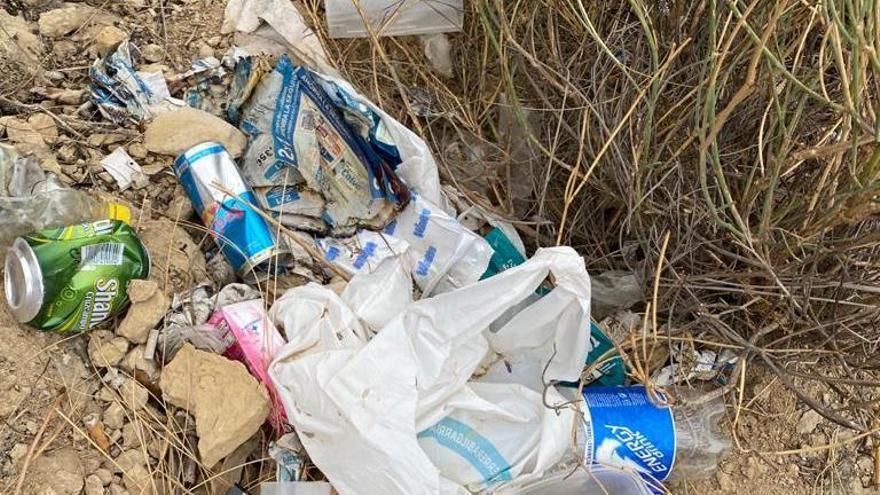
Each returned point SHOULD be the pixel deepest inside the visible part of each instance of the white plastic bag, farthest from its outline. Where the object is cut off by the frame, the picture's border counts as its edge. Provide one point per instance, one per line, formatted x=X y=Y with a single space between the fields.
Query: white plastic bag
x=393 y=17
x=359 y=405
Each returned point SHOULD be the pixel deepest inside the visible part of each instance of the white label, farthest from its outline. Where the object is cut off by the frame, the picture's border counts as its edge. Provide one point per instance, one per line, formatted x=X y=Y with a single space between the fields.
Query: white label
x=104 y=254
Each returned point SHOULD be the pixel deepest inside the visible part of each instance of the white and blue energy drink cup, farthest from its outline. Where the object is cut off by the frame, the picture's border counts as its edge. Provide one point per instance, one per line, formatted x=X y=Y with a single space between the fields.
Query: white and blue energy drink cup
x=627 y=430
x=244 y=237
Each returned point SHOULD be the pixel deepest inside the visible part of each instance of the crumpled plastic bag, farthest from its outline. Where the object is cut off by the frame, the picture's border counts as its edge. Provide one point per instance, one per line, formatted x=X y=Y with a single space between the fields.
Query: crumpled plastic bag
x=265 y=21
x=614 y=290
x=359 y=404
x=393 y=17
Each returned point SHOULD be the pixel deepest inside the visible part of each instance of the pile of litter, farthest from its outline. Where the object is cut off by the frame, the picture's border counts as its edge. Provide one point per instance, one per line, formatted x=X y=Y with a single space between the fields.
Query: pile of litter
x=385 y=339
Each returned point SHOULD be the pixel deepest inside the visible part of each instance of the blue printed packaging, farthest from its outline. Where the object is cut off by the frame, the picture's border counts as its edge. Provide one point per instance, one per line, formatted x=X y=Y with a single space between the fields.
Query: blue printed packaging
x=244 y=237
x=307 y=164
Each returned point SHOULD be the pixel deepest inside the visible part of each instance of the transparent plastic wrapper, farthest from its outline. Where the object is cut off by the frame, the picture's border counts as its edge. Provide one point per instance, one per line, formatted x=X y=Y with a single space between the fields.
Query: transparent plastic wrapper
x=273 y=26
x=295 y=488
x=360 y=404
x=393 y=17
x=590 y=480
x=32 y=200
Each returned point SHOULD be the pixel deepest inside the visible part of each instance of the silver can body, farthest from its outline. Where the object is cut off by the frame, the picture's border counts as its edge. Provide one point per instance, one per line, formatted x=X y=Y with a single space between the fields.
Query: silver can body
x=245 y=238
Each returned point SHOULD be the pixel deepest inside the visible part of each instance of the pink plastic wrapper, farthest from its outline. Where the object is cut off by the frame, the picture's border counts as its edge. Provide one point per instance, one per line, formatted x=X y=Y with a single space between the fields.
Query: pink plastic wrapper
x=257 y=342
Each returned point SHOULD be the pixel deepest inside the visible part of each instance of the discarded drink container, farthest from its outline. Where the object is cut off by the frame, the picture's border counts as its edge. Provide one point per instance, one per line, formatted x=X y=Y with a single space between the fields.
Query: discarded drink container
x=590 y=480
x=623 y=427
x=72 y=278
x=244 y=237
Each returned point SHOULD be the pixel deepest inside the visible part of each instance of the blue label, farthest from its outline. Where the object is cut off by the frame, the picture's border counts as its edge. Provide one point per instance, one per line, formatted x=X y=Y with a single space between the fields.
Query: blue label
x=626 y=429
x=425 y=263
x=280 y=195
x=473 y=447
x=241 y=232
x=365 y=254
x=422 y=224
x=332 y=253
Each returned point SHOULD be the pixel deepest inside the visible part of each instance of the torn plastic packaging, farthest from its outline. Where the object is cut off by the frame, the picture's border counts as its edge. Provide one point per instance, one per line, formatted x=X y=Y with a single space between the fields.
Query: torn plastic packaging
x=122 y=93
x=299 y=143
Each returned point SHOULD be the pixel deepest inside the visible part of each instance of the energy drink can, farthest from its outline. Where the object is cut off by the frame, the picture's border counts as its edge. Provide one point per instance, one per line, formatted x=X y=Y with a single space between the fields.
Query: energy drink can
x=244 y=237
x=69 y=279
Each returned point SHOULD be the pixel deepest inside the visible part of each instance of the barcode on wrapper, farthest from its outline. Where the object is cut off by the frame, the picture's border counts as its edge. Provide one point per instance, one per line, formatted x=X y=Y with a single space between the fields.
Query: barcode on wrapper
x=104 y=254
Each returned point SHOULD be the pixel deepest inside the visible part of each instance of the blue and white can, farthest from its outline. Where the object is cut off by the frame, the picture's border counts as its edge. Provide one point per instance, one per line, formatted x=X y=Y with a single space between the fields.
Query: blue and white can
x=625 y=429
x=244 y=237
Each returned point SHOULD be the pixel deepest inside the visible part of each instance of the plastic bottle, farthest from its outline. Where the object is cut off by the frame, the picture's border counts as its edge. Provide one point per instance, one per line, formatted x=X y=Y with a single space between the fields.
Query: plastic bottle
x=593 y=480
x=626 y=428
x=31 y=200
x=52 y=208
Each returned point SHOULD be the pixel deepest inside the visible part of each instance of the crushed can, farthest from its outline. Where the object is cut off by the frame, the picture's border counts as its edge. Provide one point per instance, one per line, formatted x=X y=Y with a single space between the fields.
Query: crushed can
x=244 y=237
x=70 y=279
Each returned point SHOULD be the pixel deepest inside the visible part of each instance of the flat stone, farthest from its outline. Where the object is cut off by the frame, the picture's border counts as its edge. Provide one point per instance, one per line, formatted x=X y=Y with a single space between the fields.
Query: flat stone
x=137 y=150
x=61 y=22
x=153 y=53
x=104 y=475
x=21 y=131
x=17 y=39
x=131 y=436
x=808 y=422
x=148 y=307
x=108 y=38
x=204 y=384
x=172 y=133
x=105 y=350
x=114 y=416
x=59 y=472
x=134 y=395
x=134 y=361
x=44 y=125
x=93 y=485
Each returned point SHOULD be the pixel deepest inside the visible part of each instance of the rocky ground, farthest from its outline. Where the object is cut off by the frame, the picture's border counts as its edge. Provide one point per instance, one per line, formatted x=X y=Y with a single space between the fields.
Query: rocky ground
x=83 y=414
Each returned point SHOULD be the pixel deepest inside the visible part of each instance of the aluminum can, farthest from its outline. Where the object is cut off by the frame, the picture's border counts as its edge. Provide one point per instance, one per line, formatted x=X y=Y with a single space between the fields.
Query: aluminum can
x=244 y=237
x=69 y=279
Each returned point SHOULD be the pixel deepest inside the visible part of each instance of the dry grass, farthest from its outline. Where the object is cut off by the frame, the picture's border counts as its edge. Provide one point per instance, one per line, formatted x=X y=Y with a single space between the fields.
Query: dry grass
x=744 y=130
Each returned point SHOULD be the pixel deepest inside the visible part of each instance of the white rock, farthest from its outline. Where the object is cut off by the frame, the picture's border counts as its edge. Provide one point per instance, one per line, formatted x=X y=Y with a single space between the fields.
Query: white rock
x=94 y=486
x=104 y=475
x=153 y=53
x=59 y=472
x=114 y=416
x=44 y=125
x=17 y=38
x=61 y=22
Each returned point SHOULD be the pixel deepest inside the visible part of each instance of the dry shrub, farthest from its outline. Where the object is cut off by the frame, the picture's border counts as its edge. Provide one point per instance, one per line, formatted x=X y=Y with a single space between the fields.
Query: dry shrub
x=745 y=130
